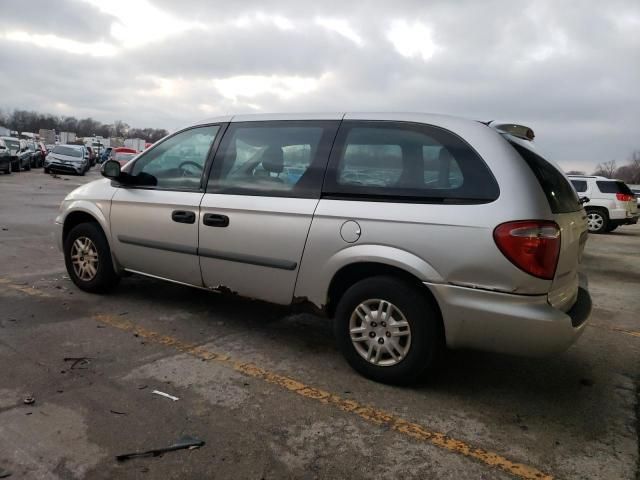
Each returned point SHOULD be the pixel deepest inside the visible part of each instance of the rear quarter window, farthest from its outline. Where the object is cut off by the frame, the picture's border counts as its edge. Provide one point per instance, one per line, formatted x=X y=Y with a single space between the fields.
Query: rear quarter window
x=613 y=187
x=406 y=162
x=560 y=194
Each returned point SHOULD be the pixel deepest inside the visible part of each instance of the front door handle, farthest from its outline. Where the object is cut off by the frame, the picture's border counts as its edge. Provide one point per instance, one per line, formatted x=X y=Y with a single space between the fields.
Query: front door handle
x=183 y=216
x=215 y=220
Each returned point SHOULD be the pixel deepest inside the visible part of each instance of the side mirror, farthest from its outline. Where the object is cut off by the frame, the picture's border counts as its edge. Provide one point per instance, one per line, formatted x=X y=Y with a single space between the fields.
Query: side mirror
x=111 y=169
x=584 y=200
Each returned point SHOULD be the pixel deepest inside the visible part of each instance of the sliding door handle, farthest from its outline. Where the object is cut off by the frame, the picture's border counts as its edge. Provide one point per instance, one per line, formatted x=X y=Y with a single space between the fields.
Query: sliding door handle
x=214 y=220
x=183 y=216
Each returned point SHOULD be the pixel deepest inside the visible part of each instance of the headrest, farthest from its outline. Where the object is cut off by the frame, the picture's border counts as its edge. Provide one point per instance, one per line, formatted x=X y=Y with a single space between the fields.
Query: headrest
x=444 y=156
x=273 y=160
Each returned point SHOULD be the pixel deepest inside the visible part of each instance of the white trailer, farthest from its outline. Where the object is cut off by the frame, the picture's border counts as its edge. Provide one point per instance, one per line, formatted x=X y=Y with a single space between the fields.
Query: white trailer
x=135 y=143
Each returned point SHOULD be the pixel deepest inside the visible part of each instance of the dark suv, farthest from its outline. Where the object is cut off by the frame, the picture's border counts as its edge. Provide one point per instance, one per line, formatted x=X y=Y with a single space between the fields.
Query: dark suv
x=20 y=154
x=5 y=157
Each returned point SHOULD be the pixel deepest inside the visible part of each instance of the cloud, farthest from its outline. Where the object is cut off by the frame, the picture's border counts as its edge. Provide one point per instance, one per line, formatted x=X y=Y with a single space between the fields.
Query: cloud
x=568 y=72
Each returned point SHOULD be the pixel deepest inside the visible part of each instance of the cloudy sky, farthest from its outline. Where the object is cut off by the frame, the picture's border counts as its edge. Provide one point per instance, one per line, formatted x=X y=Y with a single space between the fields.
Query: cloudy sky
x=570 y=70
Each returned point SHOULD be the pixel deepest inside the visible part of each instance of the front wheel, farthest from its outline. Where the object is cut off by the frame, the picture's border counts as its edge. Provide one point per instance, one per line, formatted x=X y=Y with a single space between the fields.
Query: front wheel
x=597 y=221
x=388 y=330
x=88 y=259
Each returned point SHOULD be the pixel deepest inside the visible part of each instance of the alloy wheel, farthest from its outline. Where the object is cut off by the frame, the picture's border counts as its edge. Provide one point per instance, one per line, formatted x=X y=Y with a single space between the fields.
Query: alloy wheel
x=84 y=258
x=595 y=221
x=380 y=333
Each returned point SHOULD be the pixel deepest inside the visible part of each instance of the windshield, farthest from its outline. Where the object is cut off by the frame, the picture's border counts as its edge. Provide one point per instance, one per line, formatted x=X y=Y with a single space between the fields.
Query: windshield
x=69 y=151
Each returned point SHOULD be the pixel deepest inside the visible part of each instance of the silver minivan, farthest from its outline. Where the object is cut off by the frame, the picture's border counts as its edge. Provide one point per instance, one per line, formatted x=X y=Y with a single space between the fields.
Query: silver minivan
x=413 y=232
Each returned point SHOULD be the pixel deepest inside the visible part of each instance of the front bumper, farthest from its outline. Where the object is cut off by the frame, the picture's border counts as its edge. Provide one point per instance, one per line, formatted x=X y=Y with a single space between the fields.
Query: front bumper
x=507 y=323
x=66 y=167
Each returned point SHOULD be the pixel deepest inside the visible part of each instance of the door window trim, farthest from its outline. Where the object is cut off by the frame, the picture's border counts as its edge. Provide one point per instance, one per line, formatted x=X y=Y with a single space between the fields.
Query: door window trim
x=222 y=128
x=319 y=162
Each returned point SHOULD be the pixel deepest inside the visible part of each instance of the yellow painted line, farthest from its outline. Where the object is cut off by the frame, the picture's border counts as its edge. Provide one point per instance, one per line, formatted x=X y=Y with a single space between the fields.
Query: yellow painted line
x=367 y=413
x=25 y=289
x=613 y=328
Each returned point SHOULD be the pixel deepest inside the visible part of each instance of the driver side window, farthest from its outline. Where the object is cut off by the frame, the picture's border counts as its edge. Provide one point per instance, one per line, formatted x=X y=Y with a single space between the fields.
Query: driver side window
x=178 y=162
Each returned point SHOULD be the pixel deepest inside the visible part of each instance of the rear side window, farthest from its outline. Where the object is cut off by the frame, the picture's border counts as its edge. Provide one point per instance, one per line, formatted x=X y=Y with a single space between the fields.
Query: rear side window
x=407 y=162
x=579 y=185
x=613 y=187
x=559 y=192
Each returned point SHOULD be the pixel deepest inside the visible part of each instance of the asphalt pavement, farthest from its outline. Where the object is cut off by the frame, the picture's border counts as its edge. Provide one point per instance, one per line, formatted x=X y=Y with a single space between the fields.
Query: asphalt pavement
x=268 y=392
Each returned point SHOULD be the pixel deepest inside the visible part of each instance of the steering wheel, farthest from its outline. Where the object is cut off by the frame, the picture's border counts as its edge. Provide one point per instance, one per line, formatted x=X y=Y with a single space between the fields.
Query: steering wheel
x=186 y=172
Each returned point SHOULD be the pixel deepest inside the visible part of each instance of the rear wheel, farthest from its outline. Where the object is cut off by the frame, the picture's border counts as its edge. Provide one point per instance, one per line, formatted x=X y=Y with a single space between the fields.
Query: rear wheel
x=388 y=330
x=597 y=220
x=27 y=167
x=88 y=259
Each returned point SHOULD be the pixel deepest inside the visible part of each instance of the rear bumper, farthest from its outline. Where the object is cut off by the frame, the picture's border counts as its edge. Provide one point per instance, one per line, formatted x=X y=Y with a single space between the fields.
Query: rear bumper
x=632 y=220
x=506 y=323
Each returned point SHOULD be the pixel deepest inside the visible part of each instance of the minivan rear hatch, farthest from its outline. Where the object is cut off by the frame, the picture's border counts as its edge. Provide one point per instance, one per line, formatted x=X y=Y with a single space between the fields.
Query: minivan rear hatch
x=570 y=217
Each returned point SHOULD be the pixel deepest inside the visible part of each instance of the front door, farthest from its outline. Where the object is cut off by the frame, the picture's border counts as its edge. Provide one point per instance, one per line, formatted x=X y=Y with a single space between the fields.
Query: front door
x=154 y=224
x=264 y=187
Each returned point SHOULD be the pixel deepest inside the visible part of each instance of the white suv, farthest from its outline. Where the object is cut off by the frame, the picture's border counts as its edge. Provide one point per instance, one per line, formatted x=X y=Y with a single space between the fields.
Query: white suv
x=611 y=203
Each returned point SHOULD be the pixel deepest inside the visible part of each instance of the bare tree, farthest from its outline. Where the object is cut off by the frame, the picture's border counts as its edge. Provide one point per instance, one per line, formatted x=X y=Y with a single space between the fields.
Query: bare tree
x=606 y=169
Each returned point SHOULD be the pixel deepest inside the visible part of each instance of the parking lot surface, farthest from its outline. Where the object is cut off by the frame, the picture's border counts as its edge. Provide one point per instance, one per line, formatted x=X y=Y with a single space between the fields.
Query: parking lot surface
x=269 y=393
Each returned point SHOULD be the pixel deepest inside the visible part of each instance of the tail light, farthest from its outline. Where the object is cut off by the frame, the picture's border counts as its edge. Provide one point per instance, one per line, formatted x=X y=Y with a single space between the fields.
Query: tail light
x=531 y=245
x=624 y=197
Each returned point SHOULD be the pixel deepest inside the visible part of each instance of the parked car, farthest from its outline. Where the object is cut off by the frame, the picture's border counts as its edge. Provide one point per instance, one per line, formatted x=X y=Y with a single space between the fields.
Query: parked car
x=455 y=233
x=122 y=155
x=37 y=159
x=104 y=156
x=5 y=157
x=636 y=191
x=611 y=202
x=43 y=151
x=67 y=159
x=91 y=155
x=20 y=152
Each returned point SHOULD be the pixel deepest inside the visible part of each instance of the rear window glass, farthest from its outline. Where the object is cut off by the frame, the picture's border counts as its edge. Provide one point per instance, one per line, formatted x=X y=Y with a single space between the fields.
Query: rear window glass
x=13 y=143
x=613 y=187
x=579 y=185
x=408 y=162
x=69 y=151
x=559 y=192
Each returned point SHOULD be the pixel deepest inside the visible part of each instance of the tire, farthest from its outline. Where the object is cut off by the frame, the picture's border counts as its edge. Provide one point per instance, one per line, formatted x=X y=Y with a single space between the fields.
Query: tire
x=15 y=166
x=421 y=348
x=103 y=277
x=28 y=166
x=46 y=170
x=598 y=220
x=611 y=228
